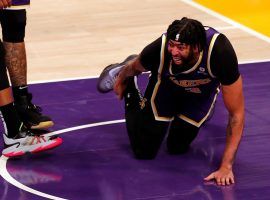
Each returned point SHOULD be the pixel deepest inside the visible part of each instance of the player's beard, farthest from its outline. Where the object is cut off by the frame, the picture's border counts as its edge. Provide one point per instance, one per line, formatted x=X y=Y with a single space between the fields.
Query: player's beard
x=188 y=61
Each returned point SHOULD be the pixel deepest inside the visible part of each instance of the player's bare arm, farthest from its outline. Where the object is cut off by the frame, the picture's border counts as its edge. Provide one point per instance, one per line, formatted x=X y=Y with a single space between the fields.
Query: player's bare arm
x=234 y=102
x=5 y=3
x=132 y=68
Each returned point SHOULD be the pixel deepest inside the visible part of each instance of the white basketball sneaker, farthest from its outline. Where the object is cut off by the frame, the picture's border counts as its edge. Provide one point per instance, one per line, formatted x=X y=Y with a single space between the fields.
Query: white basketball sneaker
x=26 y=142
x=109 y=74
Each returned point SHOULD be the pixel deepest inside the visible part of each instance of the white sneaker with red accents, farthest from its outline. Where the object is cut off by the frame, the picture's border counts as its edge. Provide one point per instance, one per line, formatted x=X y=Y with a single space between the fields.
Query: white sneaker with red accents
x=26 y=142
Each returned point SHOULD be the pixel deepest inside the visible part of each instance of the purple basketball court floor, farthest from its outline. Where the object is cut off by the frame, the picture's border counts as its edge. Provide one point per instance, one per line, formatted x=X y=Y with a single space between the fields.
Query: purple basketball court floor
x=95 y=161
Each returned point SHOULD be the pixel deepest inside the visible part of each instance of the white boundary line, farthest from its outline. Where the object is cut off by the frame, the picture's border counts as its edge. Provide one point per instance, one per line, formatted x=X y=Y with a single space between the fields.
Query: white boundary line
x=93 y=77
x=64 y=79
x=18 y=7
x=254 y=61
x=75 y=128
x=225 y=28
x=3 y=160
x=234 y=24
x=227 y=20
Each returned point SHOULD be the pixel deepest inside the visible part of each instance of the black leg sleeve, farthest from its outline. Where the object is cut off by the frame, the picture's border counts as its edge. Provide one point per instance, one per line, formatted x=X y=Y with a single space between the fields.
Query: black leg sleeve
x=4 y=82
x=145 y=133
x=13 y=24
x=181 y=134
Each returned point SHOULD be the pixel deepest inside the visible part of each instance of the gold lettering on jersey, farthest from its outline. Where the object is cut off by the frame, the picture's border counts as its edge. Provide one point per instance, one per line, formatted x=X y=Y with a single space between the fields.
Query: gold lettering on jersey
x=190 y=83
x=194 y=90
x=142 y=103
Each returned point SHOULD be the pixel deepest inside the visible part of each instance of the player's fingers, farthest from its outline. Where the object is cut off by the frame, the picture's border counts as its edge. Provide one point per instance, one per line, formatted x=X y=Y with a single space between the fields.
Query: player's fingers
x=228 y=181
x=5 y=3
x=223 y=181
x=1 y=4
x=120 y=96
x=232 y=180
x=210 y=177
x=119 y=91
x=218 y=180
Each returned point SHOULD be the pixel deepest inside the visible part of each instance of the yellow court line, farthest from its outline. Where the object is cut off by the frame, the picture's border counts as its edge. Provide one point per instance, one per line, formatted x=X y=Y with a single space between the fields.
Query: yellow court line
x=254 y=14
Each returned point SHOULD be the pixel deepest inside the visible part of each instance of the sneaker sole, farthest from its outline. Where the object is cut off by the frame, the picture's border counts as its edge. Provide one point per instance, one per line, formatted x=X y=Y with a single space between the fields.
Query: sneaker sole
x=105 y=73
x=43 y=125
x=103 y=76
x=57 y=142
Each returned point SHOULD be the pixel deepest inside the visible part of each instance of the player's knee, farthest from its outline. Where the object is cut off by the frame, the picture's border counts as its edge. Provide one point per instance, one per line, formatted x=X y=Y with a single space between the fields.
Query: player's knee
x=13 y=26
x=177 y=150
x=144 y=155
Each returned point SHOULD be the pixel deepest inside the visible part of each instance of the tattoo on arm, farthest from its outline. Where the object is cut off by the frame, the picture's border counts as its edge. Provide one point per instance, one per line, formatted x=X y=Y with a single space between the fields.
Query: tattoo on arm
x=231 y=124
x=16 y=63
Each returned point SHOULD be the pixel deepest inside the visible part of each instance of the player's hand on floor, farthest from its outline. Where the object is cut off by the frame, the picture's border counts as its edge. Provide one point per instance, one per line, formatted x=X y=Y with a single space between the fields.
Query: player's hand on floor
x=222 y=176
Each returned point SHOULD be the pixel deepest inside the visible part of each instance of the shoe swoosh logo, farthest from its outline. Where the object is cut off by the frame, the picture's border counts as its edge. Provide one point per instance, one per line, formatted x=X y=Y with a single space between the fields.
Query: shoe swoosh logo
x=113 y=71
x=16 y=143
x=22 y=87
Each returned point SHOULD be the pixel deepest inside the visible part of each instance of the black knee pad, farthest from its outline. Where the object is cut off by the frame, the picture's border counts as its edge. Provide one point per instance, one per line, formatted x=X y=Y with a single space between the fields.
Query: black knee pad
x=144 y=154
x=177 y=150
x=13 y=25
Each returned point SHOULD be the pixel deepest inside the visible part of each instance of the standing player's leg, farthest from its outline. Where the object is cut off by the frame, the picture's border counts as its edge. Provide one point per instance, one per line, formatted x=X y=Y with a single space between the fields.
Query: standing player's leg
x=13 y=30
x=18 y=139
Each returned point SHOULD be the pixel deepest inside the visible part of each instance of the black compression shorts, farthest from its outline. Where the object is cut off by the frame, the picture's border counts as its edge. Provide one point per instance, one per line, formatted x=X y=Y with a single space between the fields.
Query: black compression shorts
x=13 y=24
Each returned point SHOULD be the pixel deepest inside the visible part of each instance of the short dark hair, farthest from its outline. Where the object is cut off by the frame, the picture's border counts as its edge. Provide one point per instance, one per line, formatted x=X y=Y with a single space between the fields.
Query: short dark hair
x=189 y=31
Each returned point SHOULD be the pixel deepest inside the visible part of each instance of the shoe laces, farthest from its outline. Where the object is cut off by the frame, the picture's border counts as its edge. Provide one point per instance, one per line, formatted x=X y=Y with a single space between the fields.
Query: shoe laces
x=31 y=106
x=110 y=82
x=34 y=108
x=23 y=132
x=35 y=139
x=31 y=137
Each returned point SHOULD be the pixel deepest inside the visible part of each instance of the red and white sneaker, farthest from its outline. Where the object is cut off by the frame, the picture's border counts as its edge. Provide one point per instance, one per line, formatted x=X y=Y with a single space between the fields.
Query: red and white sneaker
x=26 y=142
